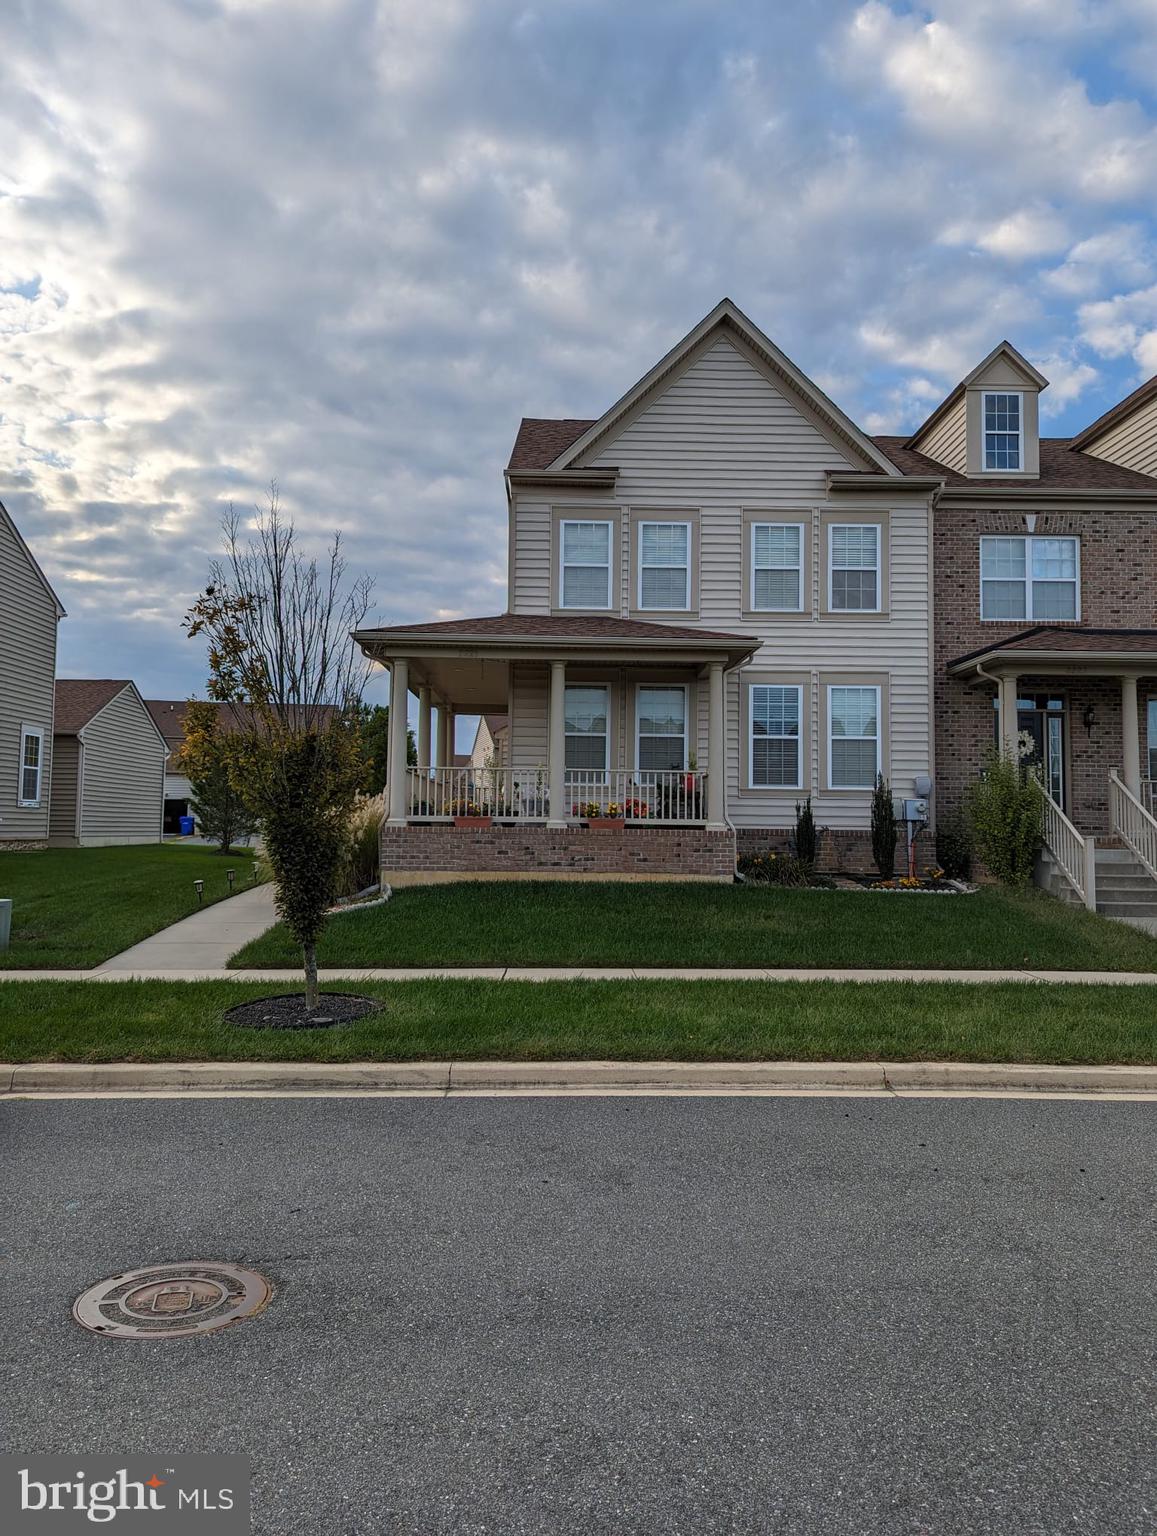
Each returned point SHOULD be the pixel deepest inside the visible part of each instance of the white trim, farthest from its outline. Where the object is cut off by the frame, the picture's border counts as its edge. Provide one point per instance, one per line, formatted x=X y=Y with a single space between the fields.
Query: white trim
x=605 y=689
x=799 y=567
x=878 y=530
x=589 y=565
x=875 y=688
x=750 y=714
x=1028 y=540
x=985 y=396
x=664 y=522
x=29 y=733
x=670 y=688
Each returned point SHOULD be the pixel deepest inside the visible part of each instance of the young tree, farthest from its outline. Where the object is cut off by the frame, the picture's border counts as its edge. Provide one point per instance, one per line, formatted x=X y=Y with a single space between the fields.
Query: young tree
x=884 y=828
x=221 y=812
x=375 y=735
x=278 y=627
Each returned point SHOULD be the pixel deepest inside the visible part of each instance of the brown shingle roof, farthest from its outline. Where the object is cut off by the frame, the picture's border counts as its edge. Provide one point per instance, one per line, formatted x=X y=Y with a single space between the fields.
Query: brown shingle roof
x=1115 y=413
x=549 y=626
x=78 y=699
x=1062 y=467
x=540 y=440
x=1068 y=641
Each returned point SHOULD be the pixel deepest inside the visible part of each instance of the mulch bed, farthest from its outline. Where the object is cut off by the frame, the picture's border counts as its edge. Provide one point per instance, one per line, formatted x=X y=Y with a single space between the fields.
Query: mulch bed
x=289 y=1012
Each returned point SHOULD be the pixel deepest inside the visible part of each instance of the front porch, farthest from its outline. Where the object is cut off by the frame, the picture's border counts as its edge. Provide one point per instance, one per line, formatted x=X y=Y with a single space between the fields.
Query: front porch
x=613 y=762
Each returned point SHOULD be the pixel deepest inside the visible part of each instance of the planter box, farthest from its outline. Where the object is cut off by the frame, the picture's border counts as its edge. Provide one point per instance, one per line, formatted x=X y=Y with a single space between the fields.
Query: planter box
x=474 y=821
x=606 y=823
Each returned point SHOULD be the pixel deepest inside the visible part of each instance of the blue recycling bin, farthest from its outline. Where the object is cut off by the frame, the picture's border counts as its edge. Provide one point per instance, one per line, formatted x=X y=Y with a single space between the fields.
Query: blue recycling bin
x=187 y=825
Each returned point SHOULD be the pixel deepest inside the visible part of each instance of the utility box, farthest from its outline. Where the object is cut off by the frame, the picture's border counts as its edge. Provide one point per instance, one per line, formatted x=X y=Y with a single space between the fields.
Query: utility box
x=913 y=810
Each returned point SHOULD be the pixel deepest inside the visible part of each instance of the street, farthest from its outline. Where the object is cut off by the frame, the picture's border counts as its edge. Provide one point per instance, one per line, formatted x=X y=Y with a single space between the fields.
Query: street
x=620 y=1315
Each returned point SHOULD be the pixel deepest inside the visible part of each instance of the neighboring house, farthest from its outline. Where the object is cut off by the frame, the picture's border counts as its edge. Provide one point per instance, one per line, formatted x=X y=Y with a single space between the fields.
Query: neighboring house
x=719 y=604
x=108 y=766
x=490 y=742
x=29 y=614
x=169 y=718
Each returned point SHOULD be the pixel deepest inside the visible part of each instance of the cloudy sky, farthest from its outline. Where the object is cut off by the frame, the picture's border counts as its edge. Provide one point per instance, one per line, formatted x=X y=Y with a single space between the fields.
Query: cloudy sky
x=347 y=243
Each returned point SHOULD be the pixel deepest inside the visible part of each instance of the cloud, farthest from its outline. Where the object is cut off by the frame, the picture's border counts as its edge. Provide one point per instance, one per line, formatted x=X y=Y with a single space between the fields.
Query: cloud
x=349 y=242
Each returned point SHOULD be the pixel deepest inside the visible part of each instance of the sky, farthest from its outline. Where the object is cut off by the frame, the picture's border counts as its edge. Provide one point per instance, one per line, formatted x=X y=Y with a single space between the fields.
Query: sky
x=346 y=244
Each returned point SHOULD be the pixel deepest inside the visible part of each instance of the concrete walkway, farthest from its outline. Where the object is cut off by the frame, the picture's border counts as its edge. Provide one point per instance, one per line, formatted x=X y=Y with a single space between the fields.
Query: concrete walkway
x=202 y=942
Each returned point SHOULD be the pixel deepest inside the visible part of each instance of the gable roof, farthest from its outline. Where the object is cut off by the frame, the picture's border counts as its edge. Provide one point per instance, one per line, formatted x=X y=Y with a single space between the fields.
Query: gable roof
x=7 y=517
x=1119 y=412
x=725 y=316
x=1062 y=467
x=80 y=699
x=1002 y=349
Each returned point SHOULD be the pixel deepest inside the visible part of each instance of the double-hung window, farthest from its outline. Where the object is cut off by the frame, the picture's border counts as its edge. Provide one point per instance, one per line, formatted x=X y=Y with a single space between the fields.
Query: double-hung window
x=587 y=716
x=777 y=567
x=1003 y=431
x=1030 y=578
x=31 y=764
x=585 y=557
x=854 y=568
x=665 y=566
x=853 y=737
x=662 y=729
x=776 y=713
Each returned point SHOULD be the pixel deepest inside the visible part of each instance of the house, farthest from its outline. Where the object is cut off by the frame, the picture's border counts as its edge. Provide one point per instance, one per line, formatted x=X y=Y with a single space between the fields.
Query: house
x=724 y=596
x=168 y=716
x=108 y=766
x=490 y=741
x=29 y=614
x=719 y=603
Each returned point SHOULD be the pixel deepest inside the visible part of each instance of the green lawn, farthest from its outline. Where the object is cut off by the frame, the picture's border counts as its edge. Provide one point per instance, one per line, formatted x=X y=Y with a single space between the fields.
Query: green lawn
x=572 y=923
x=74 y=907
x=577 y=1020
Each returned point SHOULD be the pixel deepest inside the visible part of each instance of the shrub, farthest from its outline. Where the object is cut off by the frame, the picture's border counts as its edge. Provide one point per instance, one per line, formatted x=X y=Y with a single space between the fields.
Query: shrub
x=954 y=846
x=807 y=838
x=361 y=859
x=884 y=829
x=774 y=869
x=1007 y=816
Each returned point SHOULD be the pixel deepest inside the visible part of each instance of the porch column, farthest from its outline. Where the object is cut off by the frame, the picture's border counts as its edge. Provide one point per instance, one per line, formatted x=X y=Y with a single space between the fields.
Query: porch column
x=1130 y=737
x=439 y=759
x=424 y=710
x=399 y=708
x=716 y=748
x=451 y=737
x=1008 y=728
x=556 y=746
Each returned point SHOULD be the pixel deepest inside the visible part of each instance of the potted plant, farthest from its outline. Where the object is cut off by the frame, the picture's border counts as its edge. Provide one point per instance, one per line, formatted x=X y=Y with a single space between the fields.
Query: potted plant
x=603 y=818
x=468 y=813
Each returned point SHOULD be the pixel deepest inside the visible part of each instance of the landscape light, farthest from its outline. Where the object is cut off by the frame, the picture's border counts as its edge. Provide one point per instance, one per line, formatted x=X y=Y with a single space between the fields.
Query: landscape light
x=199 y=887
x=230 y=875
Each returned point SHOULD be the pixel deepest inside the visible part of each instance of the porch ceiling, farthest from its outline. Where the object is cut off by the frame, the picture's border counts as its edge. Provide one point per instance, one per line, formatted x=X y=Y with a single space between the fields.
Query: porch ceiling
x=1064 y=652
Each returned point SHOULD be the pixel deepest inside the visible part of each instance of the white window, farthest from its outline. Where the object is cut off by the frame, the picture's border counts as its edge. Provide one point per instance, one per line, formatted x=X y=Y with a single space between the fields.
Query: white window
x=854 y=568
x=587 y=712
x=1030 y=578
x=586 y=565
x=661 y=729
x=776 y=714
x=665 y=565
x=31 y=764
x=854 y=737
x=777 y=567
x=1003 y=431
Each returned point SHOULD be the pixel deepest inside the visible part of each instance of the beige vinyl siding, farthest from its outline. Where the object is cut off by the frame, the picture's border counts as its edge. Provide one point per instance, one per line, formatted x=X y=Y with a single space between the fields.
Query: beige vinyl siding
x=947 y=442
x=1132 y=443
x=177 y=787
x=727 y=439
x=28 y=619
x=123 y=771
x=65 y=786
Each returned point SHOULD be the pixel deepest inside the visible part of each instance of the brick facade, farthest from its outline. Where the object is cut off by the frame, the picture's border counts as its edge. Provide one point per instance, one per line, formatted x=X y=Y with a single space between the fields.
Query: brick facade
x=1118 y=590
x=841 y=852
x=439 y=848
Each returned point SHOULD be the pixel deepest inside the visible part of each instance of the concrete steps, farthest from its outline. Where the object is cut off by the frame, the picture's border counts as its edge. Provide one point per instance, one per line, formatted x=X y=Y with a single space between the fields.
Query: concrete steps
x=1125 y=889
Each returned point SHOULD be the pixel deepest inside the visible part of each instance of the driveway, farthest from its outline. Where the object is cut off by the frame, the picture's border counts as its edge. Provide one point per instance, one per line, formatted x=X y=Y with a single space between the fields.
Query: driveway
x=635 y=1316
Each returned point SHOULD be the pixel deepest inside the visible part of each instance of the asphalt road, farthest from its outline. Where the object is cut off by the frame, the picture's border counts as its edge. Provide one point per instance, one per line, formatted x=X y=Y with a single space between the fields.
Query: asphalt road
x=631 y=1315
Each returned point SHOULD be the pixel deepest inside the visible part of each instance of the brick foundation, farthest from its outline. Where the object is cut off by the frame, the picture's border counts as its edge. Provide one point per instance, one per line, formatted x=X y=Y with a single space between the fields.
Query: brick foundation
x=550 y=853
x=841 y=852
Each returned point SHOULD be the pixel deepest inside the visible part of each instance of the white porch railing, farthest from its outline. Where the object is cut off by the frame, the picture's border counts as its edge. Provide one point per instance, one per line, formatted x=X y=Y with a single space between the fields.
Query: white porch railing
x=1149 y=795
x=1075 y=854
x=1132 y=823
x=511 y=794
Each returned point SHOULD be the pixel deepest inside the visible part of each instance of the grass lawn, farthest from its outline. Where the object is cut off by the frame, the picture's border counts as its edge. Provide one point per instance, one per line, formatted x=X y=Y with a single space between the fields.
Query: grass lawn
x=577 y=1020
x=563 y=923
x=74 y=907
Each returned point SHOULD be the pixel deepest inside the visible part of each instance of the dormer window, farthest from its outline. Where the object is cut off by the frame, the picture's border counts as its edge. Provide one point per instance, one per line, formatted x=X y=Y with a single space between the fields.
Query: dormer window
x=1003 y=431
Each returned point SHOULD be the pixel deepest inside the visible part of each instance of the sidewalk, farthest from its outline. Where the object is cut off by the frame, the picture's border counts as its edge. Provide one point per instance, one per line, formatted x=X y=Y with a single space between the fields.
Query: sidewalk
x=203 y=941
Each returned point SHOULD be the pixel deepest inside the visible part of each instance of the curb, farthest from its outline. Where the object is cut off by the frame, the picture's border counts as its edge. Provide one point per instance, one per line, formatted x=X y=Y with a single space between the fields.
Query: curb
x=561 y=1077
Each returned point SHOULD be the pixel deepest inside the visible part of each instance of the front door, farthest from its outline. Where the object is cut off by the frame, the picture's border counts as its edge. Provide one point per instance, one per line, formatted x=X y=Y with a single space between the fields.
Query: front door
x=1042 y=718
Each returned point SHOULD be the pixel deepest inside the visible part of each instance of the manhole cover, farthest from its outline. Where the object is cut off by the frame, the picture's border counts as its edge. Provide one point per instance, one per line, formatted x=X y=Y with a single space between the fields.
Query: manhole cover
x=168 y=1301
